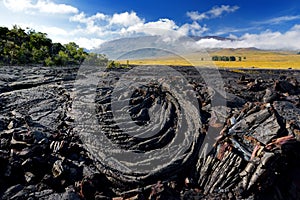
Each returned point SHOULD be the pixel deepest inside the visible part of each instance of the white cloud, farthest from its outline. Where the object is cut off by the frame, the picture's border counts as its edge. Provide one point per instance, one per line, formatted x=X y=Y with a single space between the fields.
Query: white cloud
x=268 y=40
x=42 y=6
x=278 y=20
x=52 y=30
x=275 y=40
x=227 y=30
x=82 y=18
x=164 y=27
x=129 y=24
x=46 y=6
x=153 y=28
x=88 y=43
x=218 y=11
x=196 y=16
x=17 y=5
x=91 y=27
x=126 y=19
x=210 y=43
x=49 y=30
x=194 y=29
x=213 y=13
x=99 y=16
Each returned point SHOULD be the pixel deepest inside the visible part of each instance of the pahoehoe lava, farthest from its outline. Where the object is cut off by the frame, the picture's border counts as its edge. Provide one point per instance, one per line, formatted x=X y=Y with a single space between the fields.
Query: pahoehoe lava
x=140 y=102
x=152 y=119
x=71 y=134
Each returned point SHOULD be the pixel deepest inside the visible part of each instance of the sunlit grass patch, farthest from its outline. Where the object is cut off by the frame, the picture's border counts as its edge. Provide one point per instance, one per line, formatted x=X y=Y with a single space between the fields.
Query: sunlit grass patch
x=250 y=59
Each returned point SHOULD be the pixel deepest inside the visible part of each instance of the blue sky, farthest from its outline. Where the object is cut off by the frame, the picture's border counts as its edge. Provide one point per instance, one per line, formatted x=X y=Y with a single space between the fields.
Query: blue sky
x=265 y=24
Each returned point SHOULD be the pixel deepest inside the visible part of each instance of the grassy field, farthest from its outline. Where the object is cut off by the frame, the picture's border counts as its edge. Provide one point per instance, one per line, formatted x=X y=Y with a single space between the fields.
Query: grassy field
x=250 y=58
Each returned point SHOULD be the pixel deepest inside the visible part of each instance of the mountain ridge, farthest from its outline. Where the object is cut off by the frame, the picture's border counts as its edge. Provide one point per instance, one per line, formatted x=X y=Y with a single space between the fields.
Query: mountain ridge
x=143 y=47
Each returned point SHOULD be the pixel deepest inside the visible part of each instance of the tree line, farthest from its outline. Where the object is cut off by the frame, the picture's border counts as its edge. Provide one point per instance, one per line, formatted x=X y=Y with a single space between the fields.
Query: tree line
x=20 y=47
x=227 y=58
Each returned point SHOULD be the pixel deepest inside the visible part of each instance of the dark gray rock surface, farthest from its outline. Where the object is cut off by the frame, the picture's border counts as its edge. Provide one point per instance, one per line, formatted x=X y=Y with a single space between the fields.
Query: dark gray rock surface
x=45 y=155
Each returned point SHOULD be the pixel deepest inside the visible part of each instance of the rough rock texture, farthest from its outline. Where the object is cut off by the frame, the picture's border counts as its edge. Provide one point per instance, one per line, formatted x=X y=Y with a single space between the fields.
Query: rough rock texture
x=255 y=156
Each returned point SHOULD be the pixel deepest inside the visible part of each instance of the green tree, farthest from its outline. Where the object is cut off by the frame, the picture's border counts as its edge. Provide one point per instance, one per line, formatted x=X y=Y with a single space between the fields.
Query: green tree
x=3 y=40
x=75 y=54
x=215 y=58
x=24 y=54
x=224 y=58
x=17 y=35
x=49 y=61
x=18 y=47
x=62 y=58
x=38 y=39
x=11 y=53
x=39 y=55
x=55 y=48
x=232 y=58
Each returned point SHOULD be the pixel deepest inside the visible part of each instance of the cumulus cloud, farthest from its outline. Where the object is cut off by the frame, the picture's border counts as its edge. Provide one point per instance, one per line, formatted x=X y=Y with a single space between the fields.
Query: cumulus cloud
x=88 y=43
x=89 y=31
x=227 y=30
x=130 y=24
x=90 y=23
x=52 y=30
x=42 y=6
x=194 y=29
x=17 y=5
x=196 y=16
x=153 y=28
x=81 y=17
x=125 y=19
x=169 y=28
x=165 y=27
x=216 y=11
x=209 y=43
x=119 y=25
x=267 y=40
x=288 y=40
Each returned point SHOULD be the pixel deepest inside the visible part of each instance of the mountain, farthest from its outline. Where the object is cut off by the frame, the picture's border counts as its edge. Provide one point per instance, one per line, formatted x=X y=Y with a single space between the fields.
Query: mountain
x=151 y=46
x=118 y=48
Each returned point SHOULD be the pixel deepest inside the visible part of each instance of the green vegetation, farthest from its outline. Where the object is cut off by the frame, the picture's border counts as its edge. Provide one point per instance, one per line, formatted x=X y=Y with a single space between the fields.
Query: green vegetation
x=20 y=47
x=96 y=59
x=115 y=64
x=226 y=58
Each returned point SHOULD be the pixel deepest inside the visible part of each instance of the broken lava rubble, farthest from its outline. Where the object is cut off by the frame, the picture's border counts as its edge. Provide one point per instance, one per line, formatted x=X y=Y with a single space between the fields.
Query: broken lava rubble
x=255 y=156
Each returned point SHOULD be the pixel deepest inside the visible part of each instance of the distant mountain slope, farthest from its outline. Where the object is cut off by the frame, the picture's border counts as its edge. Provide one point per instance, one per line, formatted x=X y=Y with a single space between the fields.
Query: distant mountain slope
x=150 y=46
x=119 y=48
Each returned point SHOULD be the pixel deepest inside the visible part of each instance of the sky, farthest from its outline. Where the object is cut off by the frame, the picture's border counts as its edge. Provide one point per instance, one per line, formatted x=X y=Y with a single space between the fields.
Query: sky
x=264 y=24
